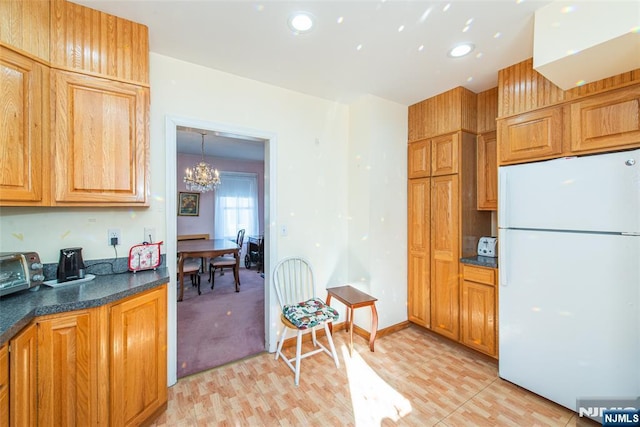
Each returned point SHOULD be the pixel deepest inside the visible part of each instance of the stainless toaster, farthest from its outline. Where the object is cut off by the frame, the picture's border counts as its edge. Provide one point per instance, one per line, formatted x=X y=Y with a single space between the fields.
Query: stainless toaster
x=488 y=246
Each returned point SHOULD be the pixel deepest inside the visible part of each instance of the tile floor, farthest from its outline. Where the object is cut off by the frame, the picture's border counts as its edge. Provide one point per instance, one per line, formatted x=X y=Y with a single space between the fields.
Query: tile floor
x=414 y=378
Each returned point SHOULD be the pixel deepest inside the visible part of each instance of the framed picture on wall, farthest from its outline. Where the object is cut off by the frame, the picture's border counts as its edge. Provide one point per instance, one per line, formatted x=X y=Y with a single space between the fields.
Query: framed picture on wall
x=188 y=204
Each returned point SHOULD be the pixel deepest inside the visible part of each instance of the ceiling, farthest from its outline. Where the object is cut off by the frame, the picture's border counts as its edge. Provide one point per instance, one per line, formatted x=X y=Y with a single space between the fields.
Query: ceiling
x=393 y=49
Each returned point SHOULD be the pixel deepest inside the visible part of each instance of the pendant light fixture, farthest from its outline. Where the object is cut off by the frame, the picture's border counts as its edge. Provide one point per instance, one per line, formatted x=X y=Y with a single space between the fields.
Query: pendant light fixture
x=202 y=177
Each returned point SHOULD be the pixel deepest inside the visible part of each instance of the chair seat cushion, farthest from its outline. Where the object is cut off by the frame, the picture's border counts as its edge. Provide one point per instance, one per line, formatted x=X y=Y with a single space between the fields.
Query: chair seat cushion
x=309 y=313
x=223 y=260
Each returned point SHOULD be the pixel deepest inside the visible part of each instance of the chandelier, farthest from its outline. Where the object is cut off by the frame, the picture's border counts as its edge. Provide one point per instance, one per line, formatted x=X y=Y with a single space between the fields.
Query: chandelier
x=202 y=177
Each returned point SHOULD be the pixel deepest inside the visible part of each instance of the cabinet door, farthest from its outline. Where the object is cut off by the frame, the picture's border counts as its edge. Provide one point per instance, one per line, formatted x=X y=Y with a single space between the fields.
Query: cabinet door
x=531 y=136
x=24 y=132
x=419 y=160
x=100 y=136
x=4 y=386
x=418 y=304
x=23 y=393
x=487 y=172
x=445 y=256
x=478 y=309
x=68 y=370
x=138 y=372
x=607 y=121
x=444 y=154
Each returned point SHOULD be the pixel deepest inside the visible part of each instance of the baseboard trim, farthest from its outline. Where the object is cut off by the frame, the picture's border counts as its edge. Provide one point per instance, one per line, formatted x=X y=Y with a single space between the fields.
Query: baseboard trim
x=291 y=342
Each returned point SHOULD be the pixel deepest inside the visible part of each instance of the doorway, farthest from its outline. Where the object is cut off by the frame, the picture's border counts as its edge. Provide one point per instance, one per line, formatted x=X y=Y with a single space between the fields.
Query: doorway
x=269 y=146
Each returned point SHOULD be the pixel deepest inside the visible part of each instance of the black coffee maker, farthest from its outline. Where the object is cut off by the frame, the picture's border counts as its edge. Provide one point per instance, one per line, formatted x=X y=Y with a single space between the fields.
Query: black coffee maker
x=71 y=265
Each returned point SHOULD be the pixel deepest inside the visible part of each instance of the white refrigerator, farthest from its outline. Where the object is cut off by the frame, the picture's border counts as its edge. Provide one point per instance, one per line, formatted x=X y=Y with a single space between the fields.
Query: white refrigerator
x=569 y=276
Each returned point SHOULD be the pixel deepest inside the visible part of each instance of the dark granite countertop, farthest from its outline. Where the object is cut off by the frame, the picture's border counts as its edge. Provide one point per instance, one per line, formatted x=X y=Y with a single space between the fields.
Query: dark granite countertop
x=482 y=261
x=18 y=309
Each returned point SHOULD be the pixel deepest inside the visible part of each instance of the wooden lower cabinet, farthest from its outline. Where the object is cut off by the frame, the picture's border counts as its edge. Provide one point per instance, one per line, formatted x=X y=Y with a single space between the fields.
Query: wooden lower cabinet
x=23 y=385
x=68 y=375
x=101 y=366
x=138 y=337
x=478 y=309
x=4 y=386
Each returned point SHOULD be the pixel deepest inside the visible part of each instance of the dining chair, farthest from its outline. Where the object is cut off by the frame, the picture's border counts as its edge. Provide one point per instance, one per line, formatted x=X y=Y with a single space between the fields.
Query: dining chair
x=192 y=266
x=227 y=261
x=302 y=311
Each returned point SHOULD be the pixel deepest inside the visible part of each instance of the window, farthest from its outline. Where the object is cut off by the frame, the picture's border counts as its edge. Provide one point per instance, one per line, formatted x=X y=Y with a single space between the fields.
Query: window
x=236 y=205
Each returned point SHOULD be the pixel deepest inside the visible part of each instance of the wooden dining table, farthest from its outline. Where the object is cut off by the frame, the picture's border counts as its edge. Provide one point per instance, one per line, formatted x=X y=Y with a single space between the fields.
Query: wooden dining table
x=209 y=248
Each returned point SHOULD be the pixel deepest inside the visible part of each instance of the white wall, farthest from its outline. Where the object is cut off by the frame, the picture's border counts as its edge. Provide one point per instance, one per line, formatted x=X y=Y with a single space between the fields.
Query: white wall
x=378 y=207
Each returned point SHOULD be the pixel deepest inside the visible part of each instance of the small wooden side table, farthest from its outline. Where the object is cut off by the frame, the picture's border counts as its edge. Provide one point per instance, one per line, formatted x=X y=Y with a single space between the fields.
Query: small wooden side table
x=354 y=298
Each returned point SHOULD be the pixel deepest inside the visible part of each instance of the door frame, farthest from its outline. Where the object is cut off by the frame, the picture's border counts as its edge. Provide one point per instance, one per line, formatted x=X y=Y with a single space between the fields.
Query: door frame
x=270 y=150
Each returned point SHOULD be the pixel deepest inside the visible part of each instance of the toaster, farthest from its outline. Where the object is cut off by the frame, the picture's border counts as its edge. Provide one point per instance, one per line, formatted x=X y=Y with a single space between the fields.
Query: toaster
x=488 y=246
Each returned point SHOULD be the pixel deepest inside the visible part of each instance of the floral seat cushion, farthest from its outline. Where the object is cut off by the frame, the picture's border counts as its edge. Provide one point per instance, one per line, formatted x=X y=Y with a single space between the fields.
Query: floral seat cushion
x=309 y=313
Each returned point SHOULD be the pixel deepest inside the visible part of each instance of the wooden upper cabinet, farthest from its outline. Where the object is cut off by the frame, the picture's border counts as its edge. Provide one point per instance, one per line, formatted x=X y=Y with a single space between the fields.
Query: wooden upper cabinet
x=487 y=180
x=101 y=143
x=419 y=160
x=24 y=25
x=24 y=134
x=531 y=136
x=94 y=42
x=610 y=120
x=444 y=154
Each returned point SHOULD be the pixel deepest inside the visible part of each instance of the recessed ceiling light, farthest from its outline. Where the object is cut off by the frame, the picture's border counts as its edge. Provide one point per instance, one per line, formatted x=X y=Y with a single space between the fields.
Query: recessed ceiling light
x=461 y=50
x=301 y=22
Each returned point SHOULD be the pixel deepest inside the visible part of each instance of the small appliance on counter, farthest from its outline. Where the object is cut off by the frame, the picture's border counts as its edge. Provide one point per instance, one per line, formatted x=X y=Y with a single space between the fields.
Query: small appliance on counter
x=488 y=246
x=71 y=266
x=145 y=257
x=20 y=270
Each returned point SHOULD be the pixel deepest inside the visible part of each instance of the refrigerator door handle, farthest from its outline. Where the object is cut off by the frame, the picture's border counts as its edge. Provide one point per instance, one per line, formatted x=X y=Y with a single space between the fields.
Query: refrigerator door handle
x=502 y=197
x=503 y=278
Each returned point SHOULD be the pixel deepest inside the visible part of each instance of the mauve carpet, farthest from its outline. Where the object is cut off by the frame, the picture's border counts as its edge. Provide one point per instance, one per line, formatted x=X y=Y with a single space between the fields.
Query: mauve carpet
x=222 y=325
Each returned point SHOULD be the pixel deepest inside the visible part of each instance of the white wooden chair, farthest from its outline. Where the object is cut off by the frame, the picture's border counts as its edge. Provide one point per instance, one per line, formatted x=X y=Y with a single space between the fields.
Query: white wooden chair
x=301 y=310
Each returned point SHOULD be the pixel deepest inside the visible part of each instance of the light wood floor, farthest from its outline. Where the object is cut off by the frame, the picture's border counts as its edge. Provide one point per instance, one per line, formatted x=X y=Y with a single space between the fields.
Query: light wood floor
x=414 y=378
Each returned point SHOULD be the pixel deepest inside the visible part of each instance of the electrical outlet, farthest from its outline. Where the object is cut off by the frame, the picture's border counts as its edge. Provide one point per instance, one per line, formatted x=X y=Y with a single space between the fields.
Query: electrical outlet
x=149 y=235
x=114 y=233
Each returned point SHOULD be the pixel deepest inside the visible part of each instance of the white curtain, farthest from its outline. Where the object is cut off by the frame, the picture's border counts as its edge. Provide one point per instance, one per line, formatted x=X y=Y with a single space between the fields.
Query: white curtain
x=236 y=205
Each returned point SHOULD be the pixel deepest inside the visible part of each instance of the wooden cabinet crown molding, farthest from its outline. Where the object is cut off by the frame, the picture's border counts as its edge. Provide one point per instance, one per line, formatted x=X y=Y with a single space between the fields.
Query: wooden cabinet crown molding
x=24 y=25
x=522 y=89
x=87 y=40
x=451 y=111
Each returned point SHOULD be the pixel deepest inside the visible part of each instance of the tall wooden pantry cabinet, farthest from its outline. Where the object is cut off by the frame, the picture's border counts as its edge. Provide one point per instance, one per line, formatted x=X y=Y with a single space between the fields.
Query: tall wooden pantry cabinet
x=443 y=222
